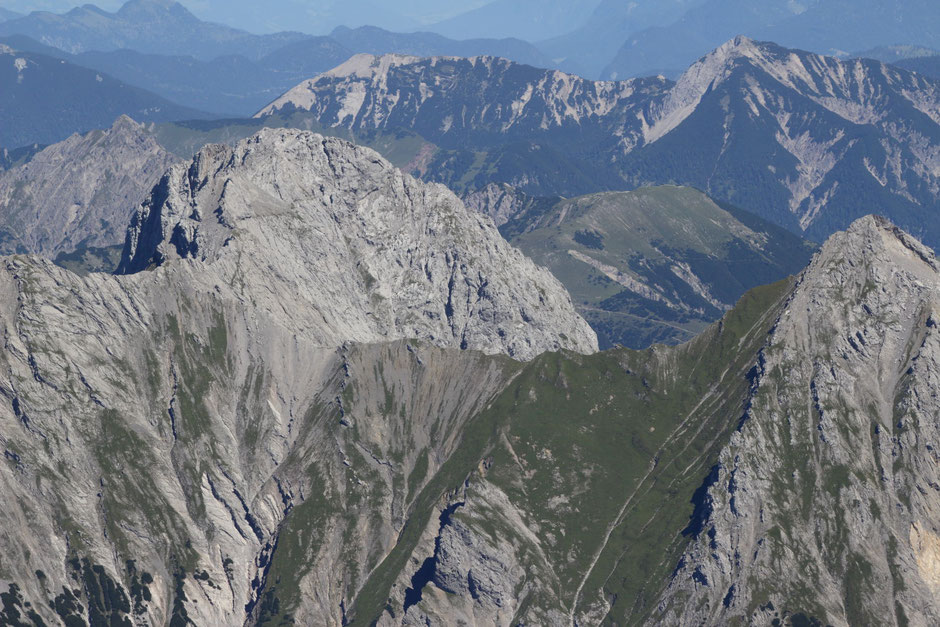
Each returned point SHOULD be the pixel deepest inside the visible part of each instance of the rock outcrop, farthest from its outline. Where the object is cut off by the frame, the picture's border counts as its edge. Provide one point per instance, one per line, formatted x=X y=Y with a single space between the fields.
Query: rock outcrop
x=503 y=203
x=365 y=253
x=165 y=432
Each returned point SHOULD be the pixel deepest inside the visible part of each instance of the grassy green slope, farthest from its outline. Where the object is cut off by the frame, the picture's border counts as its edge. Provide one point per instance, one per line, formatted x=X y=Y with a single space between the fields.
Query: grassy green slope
x=658 y=264
x=625 y=438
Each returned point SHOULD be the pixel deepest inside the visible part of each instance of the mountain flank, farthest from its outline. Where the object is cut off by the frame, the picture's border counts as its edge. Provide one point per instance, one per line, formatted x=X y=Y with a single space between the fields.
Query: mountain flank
x=656 y=264
x=46 y=99
x=80 y=193
x=424 y=482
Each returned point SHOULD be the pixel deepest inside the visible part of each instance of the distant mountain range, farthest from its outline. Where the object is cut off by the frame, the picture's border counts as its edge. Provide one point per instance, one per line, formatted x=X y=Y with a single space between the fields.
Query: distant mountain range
x=150 y=26
x=230 y=85
x=322 y=16
x=226 y=71
x=823 y=26
x=806 y=141
x=8 y=15
x=372 y=40
x=45 y=99
x=608 y=39
x=165 y=27
x=234 y=85
x=928 y=66
x=531 y=20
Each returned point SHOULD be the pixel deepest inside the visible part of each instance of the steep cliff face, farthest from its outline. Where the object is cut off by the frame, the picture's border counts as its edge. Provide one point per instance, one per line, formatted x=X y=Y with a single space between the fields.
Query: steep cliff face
x=574 y=504
x=80 y=192
x=504 y=203
x=825 y=501
x=168 y=454
x=475 y=101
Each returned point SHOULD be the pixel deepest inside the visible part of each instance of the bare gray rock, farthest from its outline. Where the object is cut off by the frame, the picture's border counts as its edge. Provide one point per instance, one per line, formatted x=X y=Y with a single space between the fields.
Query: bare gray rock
x=499 y=201
x=79 y=192
x=366 y=252
x=239 y=395
x=825 y=503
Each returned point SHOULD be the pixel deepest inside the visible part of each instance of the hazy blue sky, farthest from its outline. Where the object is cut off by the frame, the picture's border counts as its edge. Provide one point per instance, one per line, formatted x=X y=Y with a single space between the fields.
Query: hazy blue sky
x=316 y=16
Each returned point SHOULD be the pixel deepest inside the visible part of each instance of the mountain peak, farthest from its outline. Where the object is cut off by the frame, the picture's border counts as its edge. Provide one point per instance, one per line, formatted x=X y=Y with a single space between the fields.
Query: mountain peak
x=852 y=89
x=150 y=5
x=877 y=234
x=80 y=192
x=852 y=357
x=341 y=246
x=125 y=122
x=698 y=80
x=740 y=47
x=741 y=41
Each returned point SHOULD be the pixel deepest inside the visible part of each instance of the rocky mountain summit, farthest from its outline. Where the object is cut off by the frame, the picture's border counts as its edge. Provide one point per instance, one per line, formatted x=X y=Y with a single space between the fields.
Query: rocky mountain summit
x=830 y=136
x=834 y=465
x=367 y=253
x=80 y=192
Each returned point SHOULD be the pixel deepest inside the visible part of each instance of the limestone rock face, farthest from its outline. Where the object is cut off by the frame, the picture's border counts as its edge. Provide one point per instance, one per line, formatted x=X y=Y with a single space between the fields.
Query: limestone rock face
x=330 y=239
x=171 y=436
x=79 y=192
x=826 y=501
x=262 y=379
